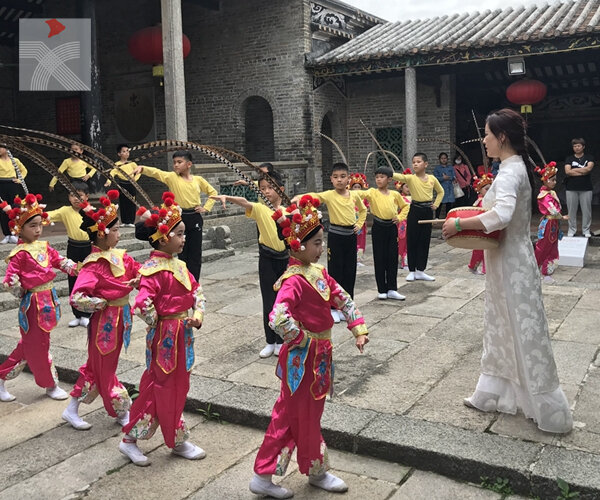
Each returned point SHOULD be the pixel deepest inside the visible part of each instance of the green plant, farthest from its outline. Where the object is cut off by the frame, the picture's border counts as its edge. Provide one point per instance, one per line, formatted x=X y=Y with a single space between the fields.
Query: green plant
x=565 y=490
x=208 y=414
x=499 y=485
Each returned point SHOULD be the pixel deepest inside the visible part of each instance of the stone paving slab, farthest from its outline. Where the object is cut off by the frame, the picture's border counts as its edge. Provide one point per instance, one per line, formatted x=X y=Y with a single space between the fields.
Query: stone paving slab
x=422 y=360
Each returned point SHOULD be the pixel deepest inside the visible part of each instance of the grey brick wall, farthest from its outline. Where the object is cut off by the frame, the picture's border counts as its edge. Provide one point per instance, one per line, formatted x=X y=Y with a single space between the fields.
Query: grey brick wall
x=247 y=48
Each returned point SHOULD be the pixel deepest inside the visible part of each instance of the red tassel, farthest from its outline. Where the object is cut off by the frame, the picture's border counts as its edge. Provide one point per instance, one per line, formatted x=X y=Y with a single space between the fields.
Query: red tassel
x=113 y=194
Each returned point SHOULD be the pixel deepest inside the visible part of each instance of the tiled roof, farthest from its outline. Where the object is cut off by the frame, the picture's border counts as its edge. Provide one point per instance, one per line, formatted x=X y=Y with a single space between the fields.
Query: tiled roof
x=472 y=30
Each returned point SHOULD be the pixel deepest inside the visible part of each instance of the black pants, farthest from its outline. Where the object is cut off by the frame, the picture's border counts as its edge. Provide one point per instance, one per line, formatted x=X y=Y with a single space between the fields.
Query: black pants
x=418 y=237
x=385 y=255
x=269 y=271
x=77 y=251
x=126 y=207
x=341 y=260
x=8 y=191
x=192 y=250
x=438 y=211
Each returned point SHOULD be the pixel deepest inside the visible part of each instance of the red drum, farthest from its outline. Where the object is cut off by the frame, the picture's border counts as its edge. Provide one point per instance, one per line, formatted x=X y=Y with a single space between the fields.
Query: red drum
x=472 y=239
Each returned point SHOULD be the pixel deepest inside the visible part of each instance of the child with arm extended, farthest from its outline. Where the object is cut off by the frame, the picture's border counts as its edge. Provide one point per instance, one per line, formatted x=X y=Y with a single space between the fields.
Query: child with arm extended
x=102 y=289
x=167 y=292
x=29 y=276
x=272 y=254
x=306 y=292
x=422 y=207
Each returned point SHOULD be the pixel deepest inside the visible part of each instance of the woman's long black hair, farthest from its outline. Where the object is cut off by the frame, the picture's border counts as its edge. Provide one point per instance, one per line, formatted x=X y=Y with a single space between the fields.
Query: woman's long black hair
x=513 y=126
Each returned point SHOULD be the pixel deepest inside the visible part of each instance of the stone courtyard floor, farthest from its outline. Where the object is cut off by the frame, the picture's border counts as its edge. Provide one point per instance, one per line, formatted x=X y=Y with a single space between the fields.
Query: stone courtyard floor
x=400 y=401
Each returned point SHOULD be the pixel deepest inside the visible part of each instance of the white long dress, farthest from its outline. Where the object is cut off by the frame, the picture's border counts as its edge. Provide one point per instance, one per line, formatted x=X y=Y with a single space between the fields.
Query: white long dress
x=517 y=365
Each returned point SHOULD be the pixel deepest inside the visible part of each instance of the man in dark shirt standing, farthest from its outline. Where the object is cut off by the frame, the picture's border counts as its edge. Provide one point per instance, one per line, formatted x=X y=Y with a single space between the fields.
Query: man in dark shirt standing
x=578 y=168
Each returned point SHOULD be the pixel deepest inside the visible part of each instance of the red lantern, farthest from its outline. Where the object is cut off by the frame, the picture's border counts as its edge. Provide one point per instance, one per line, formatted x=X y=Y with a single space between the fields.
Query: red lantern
x=146 y=46
x=526 y=92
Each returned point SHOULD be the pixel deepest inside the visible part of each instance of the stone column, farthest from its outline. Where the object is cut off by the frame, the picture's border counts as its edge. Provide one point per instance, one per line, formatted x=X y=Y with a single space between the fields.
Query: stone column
x=174 y=79
x=410 y=99
x=91 y=102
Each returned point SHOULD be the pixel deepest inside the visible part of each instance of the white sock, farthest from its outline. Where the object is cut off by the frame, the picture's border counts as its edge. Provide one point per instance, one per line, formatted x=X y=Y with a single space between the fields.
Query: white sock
x=73 y=406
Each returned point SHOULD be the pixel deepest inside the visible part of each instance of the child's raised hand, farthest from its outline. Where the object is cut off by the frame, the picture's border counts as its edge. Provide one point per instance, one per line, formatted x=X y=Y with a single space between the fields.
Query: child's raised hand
x=361 y=341
x=134 y=282
x=222 y=198
x=193 y=322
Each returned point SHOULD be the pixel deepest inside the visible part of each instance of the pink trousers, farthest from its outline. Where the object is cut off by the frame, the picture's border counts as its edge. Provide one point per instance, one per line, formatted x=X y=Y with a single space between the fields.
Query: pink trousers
x=98 y=373
x=34 y=347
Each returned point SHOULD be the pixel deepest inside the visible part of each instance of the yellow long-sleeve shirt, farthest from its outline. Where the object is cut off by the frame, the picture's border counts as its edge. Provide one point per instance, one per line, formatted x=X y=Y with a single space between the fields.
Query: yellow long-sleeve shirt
x=267 y=227
x=71 y=218
x=383 y=205
x=342 y=209
x=187 y=192
x=128 y=168
x=404 y=212
x=422 y=190
x=75 y=169
x=7 y=169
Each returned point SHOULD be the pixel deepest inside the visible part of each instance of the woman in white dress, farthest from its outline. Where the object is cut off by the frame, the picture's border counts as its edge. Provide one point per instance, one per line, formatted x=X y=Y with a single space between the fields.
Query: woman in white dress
x=517 y=366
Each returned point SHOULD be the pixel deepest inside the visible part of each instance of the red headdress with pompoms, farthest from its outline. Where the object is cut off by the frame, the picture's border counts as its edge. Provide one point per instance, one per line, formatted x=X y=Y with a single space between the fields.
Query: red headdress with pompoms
x=105 y=216
x=299 y=221
x=358 y=178
x=480 y=182
x=23 y=210
x=164 y=219
x=548 y=171
x=399 y=184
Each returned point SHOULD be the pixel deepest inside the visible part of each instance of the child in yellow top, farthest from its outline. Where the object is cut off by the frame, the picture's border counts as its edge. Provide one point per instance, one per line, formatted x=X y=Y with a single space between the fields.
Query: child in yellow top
x=187 y=189
x=422 y=207
x=384 y=205
x=272 y=254
x=78 y=243
x=74 y=168
x=9 y=188
x=342 y=205
x=126 y=206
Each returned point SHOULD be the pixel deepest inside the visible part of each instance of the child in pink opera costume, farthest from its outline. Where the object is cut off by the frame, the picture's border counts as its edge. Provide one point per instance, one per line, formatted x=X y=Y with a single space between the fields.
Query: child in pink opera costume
x=405 y=192
x=30 y=276
x=549 y=233
x=106 y=278
x=301 y=315
x=358 y=181
x=167 y=292
x=481 y=186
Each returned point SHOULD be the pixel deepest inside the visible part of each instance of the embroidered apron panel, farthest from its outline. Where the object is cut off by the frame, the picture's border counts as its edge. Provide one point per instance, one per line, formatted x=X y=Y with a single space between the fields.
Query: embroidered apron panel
x=166 y=347
x=107 y=330
x=295 y=366
x=321 y=370
x=149 y=340
x=47 y=314
x=23 y=308
x=189 y=348
x=127 y=323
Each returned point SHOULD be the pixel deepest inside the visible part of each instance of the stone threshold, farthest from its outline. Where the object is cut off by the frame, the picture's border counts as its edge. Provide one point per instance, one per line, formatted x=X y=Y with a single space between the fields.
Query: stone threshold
x=531 y=468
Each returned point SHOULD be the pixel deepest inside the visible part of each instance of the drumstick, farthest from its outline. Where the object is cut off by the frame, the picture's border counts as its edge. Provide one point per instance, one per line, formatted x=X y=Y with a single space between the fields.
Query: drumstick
x=432 y=221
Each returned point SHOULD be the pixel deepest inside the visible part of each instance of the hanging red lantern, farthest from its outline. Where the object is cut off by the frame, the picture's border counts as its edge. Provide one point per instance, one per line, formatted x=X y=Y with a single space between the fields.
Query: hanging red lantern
x=146 y=46
x=526 y=92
